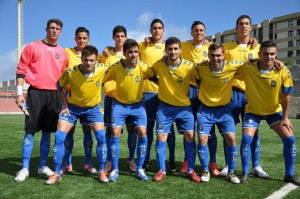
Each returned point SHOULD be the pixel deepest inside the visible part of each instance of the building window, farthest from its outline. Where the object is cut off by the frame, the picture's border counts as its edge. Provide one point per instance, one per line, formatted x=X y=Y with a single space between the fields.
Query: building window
x=298 y=42
x=275 y=36
x=290 y=23
x=297 y=61
x=298 y=22
x=254 y=33
x=290 y=53
x=297 y=53
x=275 y=26
x=235 y=36
x=298 y=32
x=290 y=43
x=290 y=33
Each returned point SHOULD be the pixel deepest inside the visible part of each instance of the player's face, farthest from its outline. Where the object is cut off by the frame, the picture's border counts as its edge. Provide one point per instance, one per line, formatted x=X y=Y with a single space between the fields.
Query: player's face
x=53 y=31
x=216 y=58
x=119 y=38
x=157 y=32
x=244 y=27
x=198 y=33
x=267 y=56
x=131 y=56
x=82 y=39
x=88 y=63
x=173 y=51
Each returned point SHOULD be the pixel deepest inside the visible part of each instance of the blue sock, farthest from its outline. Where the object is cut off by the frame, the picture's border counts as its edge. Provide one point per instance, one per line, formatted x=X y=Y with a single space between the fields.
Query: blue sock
x=212 y=145
x=160 y=149
x=246 y=152
x=203 y=156
x=141 y=151
x=115 y=151
x=88 y=146
x=171 y=144
x=108 y=136
x=131 y=143
x=58 y=150
x=69 y=143
x=289 y=154
x=232 y=157
x=101 y=148
x=27 y=147
x=44 y=148
x=190 y=151
x=150 y=126
x=255 y=151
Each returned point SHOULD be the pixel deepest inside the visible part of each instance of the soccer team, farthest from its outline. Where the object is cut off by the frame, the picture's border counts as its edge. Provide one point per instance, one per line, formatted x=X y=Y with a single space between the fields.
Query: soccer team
x=156 y=80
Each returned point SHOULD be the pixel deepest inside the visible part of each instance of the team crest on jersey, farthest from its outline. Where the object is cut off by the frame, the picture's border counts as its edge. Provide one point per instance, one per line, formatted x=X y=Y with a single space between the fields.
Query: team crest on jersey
x=56 y=56
x=226 y=80
x=273 y=83
x=250 y=56
x=97 y=83
x=204 y=54
x=179 y=79
x=137 y=79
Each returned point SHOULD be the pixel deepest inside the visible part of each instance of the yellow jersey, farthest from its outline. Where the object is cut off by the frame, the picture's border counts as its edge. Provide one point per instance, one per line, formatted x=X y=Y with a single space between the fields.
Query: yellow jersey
x=263 y=88
x=216 y=87
x=86 y=91
x=74 y=58
x=149 y=55
x=174 y=83
x=129 y=84
x=234 y=51
x=193 y=54
x=110 y=86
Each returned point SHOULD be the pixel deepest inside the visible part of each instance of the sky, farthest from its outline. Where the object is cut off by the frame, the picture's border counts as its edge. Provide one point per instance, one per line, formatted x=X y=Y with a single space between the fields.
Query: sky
x=100 y=17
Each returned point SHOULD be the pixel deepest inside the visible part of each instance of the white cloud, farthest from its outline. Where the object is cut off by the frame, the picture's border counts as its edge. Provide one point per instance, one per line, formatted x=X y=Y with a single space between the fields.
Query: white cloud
x=139 y=36
x=8 y=65
x=182 y=33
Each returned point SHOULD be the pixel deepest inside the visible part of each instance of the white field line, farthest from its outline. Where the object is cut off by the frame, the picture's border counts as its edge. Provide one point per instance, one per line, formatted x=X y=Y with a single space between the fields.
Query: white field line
x=285 y=190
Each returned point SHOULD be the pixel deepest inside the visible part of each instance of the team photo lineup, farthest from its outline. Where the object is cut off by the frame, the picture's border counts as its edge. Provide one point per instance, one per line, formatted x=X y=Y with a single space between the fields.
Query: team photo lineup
x=161 y=85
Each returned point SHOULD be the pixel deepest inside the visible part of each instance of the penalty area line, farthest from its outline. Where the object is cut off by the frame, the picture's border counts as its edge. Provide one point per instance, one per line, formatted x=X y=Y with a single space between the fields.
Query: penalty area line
x=285 y=190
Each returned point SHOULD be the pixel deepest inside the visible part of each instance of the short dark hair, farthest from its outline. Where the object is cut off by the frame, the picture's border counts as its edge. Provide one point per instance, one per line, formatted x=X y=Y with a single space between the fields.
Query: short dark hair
x=267 y=44
x=129 y=43
x=172 y=40
x=89 y=50
x=54 y=20
x=215 y=46
x=157 y=21
x=82 y=29
x=197 y=23
x=119 y=28
x=242 y=17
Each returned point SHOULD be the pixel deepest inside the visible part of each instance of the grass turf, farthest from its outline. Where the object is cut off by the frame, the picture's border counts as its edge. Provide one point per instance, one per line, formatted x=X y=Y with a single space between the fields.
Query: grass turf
x=79 y=184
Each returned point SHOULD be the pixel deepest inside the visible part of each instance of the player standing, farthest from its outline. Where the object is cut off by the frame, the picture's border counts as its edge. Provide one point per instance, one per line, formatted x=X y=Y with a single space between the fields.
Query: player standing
x=41 y=64
x=85 y=81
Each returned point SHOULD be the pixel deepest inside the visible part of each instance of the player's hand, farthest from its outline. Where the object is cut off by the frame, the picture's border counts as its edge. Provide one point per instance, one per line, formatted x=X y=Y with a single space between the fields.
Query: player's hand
x=253 y=42
x=286 y=123
x=204 y=62
x=278 y=64
x=205 y=42
x=164 y=58
x=147 y=41
x=64 y=110
x=19 y=99
x=105 y=52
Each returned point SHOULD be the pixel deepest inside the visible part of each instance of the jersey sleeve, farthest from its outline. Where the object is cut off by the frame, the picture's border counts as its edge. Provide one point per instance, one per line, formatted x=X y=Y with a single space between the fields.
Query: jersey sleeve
x=24 y=61
x=109 y=75
x=287 y=84
x=63 y=79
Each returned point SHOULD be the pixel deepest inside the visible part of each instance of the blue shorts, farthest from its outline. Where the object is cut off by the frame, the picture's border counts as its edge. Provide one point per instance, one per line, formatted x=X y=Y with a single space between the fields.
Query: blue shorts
x=107 y=111
x=135 y=113
x=167 y=114
x=88 y=115
x=193 y=95
x=151 y=104
x=238 y=103
x=252 y=120
x=220 y=115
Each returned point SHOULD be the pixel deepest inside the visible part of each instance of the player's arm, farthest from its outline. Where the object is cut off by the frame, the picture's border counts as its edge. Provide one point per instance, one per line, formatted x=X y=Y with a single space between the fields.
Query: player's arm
x=195 y=74
x=285 y=103
x=63 y=99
